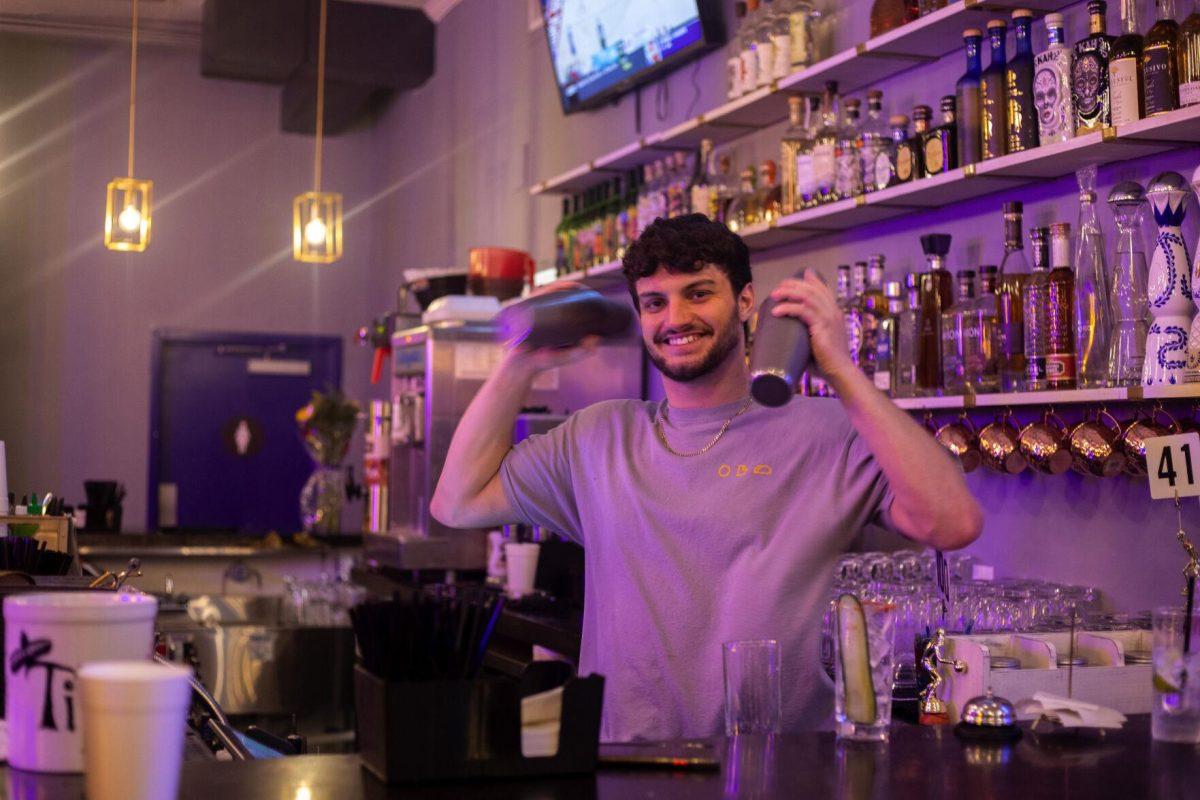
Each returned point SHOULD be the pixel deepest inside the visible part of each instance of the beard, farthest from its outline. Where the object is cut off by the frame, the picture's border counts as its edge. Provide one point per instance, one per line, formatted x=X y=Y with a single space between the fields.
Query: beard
x=726 y=341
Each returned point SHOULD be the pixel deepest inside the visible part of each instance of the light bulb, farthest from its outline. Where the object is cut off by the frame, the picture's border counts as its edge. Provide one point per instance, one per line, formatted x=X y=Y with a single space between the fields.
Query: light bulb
x=130 y=219
x=314 y=232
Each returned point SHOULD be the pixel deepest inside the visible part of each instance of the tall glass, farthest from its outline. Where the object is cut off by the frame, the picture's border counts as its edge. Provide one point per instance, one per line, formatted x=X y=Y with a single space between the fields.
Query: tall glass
x=753 y=699
x=1175 y=716
x=862 y=665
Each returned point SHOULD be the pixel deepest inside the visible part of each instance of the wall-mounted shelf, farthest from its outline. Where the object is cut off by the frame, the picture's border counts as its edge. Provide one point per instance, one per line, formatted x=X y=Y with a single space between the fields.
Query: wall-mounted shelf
x=599 y=275
x=924 y=40
x=1120 y=394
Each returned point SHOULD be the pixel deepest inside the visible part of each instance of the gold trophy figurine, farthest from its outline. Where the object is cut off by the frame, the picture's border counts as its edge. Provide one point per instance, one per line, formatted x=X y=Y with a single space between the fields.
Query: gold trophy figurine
x=933 y=710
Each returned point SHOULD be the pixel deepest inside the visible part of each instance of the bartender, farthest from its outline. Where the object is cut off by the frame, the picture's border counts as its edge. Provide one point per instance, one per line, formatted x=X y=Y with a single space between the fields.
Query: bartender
x=705 y=518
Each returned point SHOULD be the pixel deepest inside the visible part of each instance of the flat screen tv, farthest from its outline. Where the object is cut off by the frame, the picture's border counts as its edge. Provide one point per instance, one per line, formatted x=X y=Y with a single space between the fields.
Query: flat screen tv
x=602 y=48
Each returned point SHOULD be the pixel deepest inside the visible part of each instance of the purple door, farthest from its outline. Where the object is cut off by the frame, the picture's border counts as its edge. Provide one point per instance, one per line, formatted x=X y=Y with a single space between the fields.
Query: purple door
x=224 y=451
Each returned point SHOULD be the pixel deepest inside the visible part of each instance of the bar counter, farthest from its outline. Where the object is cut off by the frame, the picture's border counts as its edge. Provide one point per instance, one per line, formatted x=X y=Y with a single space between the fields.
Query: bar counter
x=918 y=763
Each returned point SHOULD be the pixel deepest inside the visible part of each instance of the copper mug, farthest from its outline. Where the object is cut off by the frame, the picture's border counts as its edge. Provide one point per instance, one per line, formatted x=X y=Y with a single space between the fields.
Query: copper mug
x=1137 y=431
x=1000 y=446
x=960 y=439
x=1096 y=446
x=1044 y=444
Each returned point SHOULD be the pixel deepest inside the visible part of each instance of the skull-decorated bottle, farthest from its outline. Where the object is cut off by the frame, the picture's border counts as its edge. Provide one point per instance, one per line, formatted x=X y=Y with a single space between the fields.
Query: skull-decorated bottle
x=1052 y=86
x=1089 y=73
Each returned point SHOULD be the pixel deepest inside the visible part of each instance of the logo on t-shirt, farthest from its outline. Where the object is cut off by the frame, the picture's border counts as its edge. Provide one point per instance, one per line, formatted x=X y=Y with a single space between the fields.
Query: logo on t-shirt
x=742 y=470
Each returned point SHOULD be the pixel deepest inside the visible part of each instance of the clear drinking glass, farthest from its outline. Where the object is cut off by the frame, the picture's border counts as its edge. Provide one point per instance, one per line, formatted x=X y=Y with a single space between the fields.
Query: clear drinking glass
x=863 y=713
x=1175 y=715
x=753 y=703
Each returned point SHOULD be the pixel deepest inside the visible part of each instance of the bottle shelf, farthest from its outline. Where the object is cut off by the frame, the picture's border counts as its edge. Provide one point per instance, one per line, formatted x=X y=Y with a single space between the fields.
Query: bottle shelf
x=599 y=275
x=924 y=40
x=1119 y=394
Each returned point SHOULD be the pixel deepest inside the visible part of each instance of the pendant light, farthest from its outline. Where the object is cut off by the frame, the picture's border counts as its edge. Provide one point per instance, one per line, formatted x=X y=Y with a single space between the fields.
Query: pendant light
x=127 y=212
x=317 y=215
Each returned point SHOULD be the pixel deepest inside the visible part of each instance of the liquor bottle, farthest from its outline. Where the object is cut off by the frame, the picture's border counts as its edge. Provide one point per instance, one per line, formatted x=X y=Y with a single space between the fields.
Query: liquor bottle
x=795 y=139
x=781 y=39
x=888 y=15
x=733 y=64
x=1037 y=306
x=885 y=339
x=957 y=333
x=1127 y=348
x=742 y=210
x=562 y=239
x=936 y=295
x=825 y=147
x=967 y=100
x=800 y=14
x=702 y=186
x=874 y=137
x=885 y=161
x=806 y=179
x=677 y=183
x=1160 y=61
x=939 y=151
x=769 y=200
x=1172 y=341
x=1093 y=316
x=992 y=104
x=1125 y=68
x=643 y=202
x=1052 y=86
x=843 y=294
x=749 y=43
x=1189 y=59
x=764 y=44
x=1021 y=116
x=726 y=189
x=848 y=180
x=1010 y=308
x=874 y=309
x=627 y=216
x=982 y=354
x=1060 y=313
x=1089 y=74
x=855 y=312
x=909 y=160
x=906 y=350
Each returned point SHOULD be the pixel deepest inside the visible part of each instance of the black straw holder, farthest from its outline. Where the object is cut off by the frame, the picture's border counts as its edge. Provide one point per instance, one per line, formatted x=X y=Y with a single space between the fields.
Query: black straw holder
x=463 y=730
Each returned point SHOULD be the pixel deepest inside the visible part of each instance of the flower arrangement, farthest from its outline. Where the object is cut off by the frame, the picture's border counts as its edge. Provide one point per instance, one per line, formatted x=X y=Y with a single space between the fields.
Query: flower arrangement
x=326 y=425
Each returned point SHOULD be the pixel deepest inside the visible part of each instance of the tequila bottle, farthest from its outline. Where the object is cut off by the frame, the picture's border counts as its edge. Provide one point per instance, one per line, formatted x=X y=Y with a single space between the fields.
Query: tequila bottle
x=1125 y=68
x=1052 y=86
x=907 y=330
x=940 y=153
x=1189 y=59
x=967 y=100
x=909 y=160
x=781 y=39
x=1170 y=346
x=1037 y=305
x=733 y=64
x=1010 y=302
x=855 y=322
x=936 y=295
x=885 y=339
x=800 y=15
x=1060 y=315
x=1093 y=316
x=726 y=189
x=769 y=201
x=874 y=309
x=982 y=355
x=887 y=15
x=1089 y=74
x=874 y=139
x=825 y=147
x=764 y=43
x=885 y=161
x=796 y=139
x=562 y=239
x=844 y=297
x=806 y=178
x=1127 y=348
x=1021 y=116
x=958 y=333
x=1160 y=62
x=743 y=210
x=848 y=182
x=993 y=135
x=701 y=191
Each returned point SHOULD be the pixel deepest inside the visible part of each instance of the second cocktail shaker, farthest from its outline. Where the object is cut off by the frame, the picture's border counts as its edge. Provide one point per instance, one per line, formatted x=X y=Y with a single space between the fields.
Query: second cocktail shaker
x=562 y=319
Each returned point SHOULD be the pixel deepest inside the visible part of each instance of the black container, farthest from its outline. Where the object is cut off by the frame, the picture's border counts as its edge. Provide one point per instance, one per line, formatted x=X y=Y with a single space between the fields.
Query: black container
x=563 y=318
x=779 y=357
x=467 y=730
x=104 y=509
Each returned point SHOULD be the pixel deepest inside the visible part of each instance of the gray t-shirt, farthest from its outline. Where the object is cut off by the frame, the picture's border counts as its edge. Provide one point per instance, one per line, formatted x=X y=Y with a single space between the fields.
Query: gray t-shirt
x=684 y=554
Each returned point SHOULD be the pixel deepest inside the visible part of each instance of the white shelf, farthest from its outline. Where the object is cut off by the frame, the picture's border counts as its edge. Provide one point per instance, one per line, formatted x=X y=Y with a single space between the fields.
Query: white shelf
x=600 y=275
x=921 y=41
x=1068 y=397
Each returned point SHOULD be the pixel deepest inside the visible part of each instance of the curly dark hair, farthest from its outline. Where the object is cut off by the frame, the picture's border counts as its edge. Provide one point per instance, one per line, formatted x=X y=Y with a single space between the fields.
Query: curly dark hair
x=687 y=244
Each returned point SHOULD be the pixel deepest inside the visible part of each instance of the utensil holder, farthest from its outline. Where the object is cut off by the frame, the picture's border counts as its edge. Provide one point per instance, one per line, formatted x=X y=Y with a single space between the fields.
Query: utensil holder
x=467 y=730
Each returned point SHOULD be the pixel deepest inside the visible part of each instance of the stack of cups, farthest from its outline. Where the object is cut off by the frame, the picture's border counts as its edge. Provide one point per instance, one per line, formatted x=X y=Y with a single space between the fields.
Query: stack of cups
x=522 y=558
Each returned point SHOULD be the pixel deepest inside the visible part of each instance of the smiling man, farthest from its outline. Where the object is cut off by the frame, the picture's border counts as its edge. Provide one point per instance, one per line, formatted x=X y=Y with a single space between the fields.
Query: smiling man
x=705 y=518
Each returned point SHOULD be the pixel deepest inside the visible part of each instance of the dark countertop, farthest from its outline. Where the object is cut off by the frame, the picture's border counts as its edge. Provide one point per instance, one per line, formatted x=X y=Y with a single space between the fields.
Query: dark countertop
x=919 y=763
x=201 y=544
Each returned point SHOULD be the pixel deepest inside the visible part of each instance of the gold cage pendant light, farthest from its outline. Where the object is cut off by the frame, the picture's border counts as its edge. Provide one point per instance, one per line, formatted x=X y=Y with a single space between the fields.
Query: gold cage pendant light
x=317 y=215
x=127 y=211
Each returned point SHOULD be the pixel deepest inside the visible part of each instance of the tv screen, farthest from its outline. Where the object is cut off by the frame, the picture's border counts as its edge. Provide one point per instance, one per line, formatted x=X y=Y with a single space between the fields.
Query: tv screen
x=601 y=48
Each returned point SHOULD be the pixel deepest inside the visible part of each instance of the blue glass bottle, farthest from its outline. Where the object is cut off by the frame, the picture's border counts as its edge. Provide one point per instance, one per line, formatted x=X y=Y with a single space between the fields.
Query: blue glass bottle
x=967 y=99
x=992 y=127
x=1021 y=116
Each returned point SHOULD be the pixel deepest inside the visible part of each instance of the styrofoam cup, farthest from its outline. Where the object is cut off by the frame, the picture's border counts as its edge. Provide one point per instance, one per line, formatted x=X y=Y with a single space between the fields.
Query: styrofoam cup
x=522 y=561
x=47 y=638
x=134 y=718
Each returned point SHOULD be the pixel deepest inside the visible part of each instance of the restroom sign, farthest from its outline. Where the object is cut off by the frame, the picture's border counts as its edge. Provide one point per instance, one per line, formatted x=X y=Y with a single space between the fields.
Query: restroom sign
x=1173 y=466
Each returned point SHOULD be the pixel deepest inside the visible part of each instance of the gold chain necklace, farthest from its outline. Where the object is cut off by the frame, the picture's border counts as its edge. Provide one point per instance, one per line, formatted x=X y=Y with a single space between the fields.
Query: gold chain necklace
x=662 y=436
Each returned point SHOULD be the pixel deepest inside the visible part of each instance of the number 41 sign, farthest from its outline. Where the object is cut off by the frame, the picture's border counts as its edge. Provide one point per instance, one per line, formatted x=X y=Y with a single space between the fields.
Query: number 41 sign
x=1173 y=466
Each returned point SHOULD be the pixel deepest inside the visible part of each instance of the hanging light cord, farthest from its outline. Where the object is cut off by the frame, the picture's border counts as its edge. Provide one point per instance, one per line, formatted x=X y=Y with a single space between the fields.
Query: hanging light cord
x=133 y=83
x=320 y=95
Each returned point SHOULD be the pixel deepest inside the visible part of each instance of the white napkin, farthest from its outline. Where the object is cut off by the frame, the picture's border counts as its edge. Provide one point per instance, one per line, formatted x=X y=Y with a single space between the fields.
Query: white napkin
x=1068 y=712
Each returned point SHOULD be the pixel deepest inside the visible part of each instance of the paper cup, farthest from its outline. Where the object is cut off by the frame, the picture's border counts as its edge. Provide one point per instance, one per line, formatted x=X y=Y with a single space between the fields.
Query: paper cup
x=134 y=718
x=522 y=567
x=47 y=638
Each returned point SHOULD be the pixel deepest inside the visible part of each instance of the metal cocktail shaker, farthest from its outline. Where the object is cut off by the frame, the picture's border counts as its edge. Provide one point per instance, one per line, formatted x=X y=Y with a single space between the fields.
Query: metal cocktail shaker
x=779 y=356
x=562 y=319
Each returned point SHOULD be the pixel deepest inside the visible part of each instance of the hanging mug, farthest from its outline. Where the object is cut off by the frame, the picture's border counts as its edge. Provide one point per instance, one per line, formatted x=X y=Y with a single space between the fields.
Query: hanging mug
x=1137 y=431
x=1096 y=446
x=1044 y=444
x=1000 y=446
x=960 y=439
